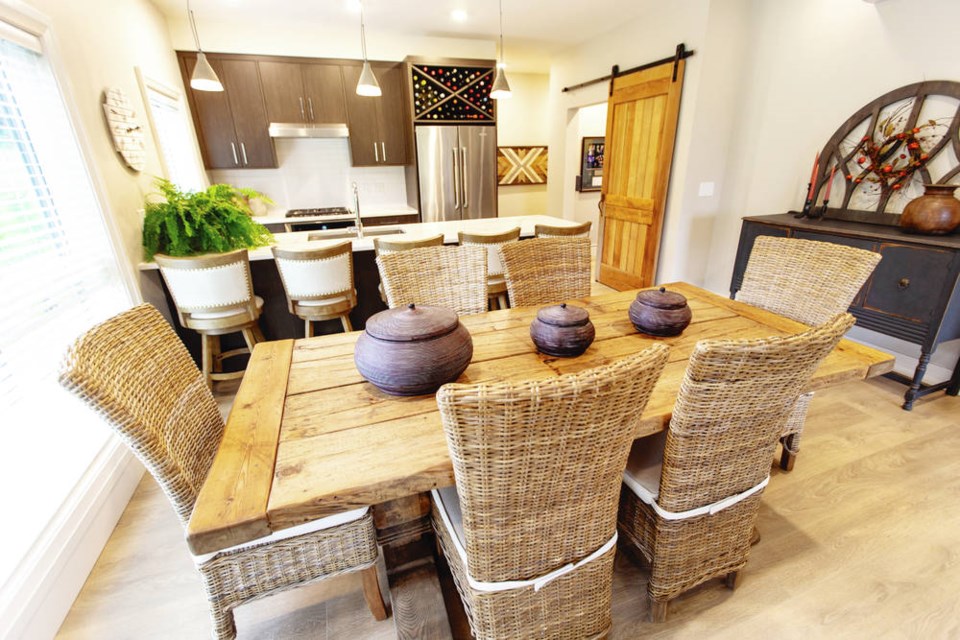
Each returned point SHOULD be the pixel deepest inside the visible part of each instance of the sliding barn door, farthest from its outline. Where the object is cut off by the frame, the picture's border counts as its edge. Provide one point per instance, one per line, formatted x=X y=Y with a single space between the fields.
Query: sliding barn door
x=641 y=126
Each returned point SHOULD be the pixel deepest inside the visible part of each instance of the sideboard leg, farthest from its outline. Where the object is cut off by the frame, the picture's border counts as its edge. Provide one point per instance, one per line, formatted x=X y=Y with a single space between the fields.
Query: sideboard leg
x=911 y=393
x=954 y=388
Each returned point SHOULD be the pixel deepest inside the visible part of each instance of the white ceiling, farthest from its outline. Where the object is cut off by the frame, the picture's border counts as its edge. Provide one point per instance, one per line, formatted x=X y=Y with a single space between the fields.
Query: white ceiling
x=543 y=26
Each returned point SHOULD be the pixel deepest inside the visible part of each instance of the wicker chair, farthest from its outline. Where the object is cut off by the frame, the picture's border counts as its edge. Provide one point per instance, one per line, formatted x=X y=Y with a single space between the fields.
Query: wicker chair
x=549 y=231
x=383 y=246
x=807 y=281
x=452 y=277
x=214 y=296
x=691 y=506
x=547 y=270
x=318 y=283
x=496 y=287
x=135 y=372
x=529 y=530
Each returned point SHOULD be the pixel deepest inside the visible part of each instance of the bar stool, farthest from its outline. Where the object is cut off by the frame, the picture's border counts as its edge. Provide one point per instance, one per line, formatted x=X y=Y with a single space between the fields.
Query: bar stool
x=318 y=283
x=549 y=231
x=382 y=246
x=214 y=296
x=496 y=285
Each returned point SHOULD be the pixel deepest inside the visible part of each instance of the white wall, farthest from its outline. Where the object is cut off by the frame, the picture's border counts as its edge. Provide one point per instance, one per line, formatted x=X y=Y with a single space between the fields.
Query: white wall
x=521 y=121
x=586 y=121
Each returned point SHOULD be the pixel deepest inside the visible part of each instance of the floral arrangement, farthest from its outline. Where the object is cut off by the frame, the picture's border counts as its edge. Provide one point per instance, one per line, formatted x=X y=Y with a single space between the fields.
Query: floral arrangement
x=891 y=161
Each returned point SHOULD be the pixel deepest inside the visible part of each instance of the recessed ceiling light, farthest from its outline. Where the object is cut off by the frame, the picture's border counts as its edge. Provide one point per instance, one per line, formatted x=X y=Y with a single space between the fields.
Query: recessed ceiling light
x=458 y=15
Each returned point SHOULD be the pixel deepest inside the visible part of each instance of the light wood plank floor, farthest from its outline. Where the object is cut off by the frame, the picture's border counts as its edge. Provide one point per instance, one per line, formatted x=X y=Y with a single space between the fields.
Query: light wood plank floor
x=859 y=541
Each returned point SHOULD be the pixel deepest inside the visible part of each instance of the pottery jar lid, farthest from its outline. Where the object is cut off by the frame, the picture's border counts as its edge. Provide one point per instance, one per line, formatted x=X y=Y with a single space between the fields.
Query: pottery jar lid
x=563 y=315
x=411 y=323
x=662 y=299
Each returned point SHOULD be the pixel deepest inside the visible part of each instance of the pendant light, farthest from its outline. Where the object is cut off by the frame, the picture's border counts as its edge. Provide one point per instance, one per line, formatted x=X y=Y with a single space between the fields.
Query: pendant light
x=204 y=78
x=367 y=85
x=500 y=88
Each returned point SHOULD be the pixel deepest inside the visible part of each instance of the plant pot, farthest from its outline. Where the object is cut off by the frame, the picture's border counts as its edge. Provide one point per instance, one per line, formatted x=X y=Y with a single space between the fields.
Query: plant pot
x=936 y=212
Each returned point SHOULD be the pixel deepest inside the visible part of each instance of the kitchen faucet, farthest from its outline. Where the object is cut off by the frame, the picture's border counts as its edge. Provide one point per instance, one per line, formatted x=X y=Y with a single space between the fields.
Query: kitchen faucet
x=356 y=212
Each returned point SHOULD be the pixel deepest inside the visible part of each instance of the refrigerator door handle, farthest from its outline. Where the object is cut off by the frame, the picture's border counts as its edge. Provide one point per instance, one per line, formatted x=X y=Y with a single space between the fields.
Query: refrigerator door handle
x=456 y=179
x=463 y=176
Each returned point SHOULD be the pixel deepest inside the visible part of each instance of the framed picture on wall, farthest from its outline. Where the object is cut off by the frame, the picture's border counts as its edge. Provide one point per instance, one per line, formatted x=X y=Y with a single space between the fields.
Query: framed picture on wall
x=591 y=164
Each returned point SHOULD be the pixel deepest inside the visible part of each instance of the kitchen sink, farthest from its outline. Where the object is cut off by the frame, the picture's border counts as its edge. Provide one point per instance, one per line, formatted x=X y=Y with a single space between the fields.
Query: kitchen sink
x=344 y=233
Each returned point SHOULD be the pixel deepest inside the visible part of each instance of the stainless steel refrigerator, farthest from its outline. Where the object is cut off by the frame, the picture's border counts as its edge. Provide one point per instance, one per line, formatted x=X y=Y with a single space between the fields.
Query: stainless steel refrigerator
x=457 y=172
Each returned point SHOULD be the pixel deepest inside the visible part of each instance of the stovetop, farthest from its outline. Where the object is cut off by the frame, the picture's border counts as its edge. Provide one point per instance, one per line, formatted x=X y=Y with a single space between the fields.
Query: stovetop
x=320 y=211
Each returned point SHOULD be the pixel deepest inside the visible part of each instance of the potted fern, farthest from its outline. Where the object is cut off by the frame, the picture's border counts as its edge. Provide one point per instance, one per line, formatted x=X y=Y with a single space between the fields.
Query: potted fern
x=214 y=220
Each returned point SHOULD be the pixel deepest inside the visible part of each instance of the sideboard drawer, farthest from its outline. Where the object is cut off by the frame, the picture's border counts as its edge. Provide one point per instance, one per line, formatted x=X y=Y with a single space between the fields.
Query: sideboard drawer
x=909 y=281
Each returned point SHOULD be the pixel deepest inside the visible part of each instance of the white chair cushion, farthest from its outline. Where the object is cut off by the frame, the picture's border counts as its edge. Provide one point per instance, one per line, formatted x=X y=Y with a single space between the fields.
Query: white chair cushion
x=642 y=475
x=285 y=534
x=225 y=313
x=317 y=277
x=212 y=287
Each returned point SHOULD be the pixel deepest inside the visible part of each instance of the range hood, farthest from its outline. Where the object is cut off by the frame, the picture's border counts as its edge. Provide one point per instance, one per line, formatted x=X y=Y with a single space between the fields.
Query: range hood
x=307 y=130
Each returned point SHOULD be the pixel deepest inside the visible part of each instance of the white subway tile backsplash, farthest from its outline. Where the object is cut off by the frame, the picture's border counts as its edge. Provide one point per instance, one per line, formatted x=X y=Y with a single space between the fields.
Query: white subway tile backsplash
x=317 y=173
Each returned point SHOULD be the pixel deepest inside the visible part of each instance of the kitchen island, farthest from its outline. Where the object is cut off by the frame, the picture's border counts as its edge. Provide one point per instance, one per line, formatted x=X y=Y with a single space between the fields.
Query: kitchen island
x=278 y=323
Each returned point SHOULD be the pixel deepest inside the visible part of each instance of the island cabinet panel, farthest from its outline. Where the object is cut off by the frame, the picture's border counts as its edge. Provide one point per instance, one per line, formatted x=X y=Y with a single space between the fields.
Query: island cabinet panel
x=913 y=294
x=378 y=125
x=231 y=125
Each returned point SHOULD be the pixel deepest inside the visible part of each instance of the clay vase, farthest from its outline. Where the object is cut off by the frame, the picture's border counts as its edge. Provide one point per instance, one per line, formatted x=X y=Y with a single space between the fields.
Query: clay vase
x=936 y=212
x=659 y=312
x=562 y=330
x=413 y=350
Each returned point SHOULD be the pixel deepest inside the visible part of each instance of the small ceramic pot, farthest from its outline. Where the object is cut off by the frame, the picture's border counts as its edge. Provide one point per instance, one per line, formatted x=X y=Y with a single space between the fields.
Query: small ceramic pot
x=411 y=351
x=659 y=312
x=562 y=330
x=936 y=212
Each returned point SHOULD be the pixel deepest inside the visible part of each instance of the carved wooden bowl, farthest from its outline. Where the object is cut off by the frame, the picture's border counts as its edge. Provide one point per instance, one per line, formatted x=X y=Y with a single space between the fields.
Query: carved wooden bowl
x=659 y=312
x=413 y=350
x=562 y=330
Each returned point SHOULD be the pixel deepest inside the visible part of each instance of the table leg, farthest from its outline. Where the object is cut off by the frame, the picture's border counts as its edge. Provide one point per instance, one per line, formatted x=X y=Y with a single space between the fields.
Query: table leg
x=406 y=538
x=918 y=374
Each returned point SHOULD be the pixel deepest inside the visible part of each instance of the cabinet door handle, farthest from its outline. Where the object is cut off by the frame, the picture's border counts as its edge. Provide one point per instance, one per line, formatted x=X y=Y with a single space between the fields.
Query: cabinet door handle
x=243 y=152
x=233 y=148
x=903 y=284
x=383 y=149
x=376 y=152
x=313 y=118
x=303 y=114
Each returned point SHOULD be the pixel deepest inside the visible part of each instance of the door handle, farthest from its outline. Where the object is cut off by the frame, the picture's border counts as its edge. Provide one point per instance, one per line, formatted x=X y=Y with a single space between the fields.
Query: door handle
x=313 y=118
x=233 y=148
x=243 y=152
x=463 y=177
x=303 y=114
x=383 y=149
x=376 y=152
x=456 y=179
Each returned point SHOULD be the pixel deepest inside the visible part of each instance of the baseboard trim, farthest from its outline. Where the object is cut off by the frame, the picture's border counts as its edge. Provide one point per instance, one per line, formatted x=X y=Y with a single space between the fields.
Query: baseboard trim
x=39 y=595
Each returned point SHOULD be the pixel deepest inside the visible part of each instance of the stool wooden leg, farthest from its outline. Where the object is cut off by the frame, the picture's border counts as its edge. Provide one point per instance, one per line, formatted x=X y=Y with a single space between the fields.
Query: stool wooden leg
x=372 y=594
x=307 y=328
x=345 y=321
x=249 y=338
x=502 y=301
x=216 y=358
x=258 y=334
x=206 y=358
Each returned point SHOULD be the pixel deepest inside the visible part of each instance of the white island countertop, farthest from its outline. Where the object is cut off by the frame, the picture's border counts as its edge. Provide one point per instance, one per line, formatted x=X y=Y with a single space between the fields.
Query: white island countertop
x=449 y=229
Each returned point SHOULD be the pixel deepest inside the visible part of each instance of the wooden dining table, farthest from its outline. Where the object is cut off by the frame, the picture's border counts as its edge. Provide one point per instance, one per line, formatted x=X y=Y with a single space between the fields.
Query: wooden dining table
x=307 y=437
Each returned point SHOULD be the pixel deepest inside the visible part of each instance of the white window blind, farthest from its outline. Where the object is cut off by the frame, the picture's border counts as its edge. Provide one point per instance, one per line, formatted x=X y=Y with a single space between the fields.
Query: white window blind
x=59 y=276
x=174 y=139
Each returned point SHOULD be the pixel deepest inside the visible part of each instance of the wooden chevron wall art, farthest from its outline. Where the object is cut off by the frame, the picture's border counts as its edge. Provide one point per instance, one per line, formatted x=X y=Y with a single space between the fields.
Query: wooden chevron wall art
x=521 y=165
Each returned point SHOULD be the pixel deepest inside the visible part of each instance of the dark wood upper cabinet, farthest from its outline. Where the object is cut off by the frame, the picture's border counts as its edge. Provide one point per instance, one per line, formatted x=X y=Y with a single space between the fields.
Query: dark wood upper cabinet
x=232 y=124
x=283 y=91
x=378 y=126
x=323 y=87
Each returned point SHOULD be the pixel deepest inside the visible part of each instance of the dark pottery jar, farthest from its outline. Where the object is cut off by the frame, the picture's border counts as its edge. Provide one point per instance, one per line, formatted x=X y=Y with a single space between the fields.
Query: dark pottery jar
x=936 y=212
x=411 y=351
x=562 y=330
x=659 y=312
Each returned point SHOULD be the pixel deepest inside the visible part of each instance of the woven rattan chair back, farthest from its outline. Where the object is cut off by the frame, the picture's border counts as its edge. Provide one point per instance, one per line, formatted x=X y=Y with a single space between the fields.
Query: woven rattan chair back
x=547 y=270
x=383 y=246
x=805 y=280
x=550 y=231
x=538 y=464
x=205 y=288
x=733 y=402
x=490 y=242
x=134 y=370
x=451 y=277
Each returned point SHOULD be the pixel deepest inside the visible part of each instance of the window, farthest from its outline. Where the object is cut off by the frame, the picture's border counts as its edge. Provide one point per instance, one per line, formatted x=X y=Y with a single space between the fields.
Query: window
x=172 y=134
x=59 y=276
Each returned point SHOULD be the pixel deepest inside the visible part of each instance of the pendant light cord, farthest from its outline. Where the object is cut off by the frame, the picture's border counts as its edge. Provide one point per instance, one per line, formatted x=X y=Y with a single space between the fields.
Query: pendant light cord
x=193 y=26
x=500 y=4
x=363 y=34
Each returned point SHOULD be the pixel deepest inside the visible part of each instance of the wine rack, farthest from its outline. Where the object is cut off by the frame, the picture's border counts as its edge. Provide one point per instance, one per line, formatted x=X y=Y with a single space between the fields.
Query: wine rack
x=452 y=94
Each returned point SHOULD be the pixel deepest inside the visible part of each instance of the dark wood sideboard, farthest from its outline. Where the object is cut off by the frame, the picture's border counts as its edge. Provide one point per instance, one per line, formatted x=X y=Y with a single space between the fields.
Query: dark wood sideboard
x=914 y=293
